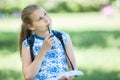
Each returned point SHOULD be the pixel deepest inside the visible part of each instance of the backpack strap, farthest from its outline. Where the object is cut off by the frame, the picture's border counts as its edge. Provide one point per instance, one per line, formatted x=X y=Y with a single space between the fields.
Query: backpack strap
x=30 y=41
x=59 y=36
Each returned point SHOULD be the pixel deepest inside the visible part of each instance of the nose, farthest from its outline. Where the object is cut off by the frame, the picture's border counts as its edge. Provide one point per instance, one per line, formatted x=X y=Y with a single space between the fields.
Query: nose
x=47 y=20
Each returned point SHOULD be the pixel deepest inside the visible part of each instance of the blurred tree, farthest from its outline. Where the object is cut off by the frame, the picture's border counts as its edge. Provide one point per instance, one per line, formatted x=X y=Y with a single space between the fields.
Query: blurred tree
x=10 y=6
x=73 y=6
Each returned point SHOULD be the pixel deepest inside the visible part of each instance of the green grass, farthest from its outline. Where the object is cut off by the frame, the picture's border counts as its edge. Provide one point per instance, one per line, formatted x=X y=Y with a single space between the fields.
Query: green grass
x=85 y=21
x=10 y=75
x=10 y=69
x=80 y=39
x=9 y=41
x=97 y=64
x=71 y=21
x=96 y=41
x=100 y=39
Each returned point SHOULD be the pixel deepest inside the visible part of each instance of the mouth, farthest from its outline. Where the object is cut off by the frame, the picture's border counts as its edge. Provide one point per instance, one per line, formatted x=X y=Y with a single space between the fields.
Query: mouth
x=49 y=25
x=49 y=29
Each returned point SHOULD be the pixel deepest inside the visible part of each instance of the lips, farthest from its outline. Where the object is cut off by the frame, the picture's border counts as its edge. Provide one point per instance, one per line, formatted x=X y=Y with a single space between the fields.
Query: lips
x=49 y=25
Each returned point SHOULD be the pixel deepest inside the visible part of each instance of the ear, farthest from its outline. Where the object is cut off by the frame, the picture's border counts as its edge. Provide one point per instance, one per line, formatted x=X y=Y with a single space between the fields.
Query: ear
x=30 y=26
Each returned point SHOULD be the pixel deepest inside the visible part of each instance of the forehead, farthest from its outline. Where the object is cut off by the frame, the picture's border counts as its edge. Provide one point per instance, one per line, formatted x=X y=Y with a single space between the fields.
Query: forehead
x=37 y=13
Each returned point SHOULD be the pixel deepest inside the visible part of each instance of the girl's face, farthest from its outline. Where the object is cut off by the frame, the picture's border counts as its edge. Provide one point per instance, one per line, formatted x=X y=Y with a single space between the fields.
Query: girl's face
x=40 y=20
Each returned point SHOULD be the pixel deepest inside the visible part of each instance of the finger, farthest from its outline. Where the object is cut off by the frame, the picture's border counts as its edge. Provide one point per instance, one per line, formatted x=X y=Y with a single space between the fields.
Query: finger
x=48 y=37
x=64 y=78
x=51 y=39
x=71 y=77
x=51 y=44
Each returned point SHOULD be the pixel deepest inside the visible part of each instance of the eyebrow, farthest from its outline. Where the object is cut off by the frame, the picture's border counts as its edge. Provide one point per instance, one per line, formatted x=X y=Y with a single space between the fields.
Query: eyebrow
x=39 y=18
x=42 y=16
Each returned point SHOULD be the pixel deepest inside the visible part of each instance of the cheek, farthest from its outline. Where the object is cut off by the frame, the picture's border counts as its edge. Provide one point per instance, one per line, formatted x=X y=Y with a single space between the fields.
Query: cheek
x=50 y=19
x=41 y=22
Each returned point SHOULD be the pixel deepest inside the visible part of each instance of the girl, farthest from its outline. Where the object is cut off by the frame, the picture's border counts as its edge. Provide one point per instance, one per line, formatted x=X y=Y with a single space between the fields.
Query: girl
x=49 y=62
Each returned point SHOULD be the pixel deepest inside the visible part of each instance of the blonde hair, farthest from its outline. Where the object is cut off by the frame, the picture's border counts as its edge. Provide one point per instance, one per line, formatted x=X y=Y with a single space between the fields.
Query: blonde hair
x=26 y=19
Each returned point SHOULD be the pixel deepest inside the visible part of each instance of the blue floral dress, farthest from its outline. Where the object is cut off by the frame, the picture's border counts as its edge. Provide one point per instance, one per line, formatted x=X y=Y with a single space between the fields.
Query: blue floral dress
x=54 y=61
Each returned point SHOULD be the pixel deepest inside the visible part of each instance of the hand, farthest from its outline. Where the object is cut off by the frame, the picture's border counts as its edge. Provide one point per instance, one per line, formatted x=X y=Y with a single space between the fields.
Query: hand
x=48 y=43
x=65 y=78
x=71 y=78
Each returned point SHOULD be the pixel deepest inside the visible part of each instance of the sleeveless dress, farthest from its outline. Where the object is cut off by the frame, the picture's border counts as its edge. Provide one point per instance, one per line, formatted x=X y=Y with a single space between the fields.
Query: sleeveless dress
x=54 y=61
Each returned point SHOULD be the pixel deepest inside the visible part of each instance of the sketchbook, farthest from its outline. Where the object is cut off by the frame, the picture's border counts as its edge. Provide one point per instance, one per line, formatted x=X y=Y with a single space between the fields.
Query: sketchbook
x=70 y=73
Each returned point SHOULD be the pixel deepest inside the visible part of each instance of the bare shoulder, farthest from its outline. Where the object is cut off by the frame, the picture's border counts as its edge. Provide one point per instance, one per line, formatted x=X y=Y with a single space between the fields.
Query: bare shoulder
x=26 y=58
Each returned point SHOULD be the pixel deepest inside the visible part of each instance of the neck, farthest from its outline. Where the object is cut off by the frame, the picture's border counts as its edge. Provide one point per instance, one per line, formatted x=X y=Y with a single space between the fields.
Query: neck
x=42 y=34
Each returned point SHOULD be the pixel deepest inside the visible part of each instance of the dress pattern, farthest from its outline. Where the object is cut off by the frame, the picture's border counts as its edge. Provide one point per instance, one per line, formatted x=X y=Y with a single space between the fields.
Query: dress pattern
x=54 y=61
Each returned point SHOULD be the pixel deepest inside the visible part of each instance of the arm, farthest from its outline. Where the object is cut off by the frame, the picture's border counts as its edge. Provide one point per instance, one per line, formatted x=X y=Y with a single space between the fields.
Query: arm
x=70 y=52
x=71 y=55
x=29 y=68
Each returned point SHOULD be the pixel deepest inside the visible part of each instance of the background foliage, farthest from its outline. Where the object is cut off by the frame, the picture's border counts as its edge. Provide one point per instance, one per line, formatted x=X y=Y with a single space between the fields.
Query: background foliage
x=95 y=36
x=11 y=6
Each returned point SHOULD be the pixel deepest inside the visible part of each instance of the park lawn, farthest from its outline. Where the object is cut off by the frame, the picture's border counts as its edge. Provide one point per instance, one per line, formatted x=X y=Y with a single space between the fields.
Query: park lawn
x=97 y=63
x=71 y=21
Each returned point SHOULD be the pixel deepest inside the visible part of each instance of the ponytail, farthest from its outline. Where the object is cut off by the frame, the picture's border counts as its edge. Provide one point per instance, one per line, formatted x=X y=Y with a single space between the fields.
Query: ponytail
x=24 y=33
x=25 y=16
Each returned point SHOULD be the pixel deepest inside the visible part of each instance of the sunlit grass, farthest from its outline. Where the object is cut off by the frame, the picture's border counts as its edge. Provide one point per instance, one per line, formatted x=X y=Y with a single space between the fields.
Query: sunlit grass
x=10 y=24
x=86 y=21
x=105 y=61
x=71 y=21
x=7 y=74
x=11 y=61
x=97 y=63
x=10 y=67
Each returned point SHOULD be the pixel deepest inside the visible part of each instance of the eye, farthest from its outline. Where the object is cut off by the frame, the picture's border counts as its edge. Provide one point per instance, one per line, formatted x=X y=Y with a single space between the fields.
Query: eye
x=39 y=19
x=45 y=14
